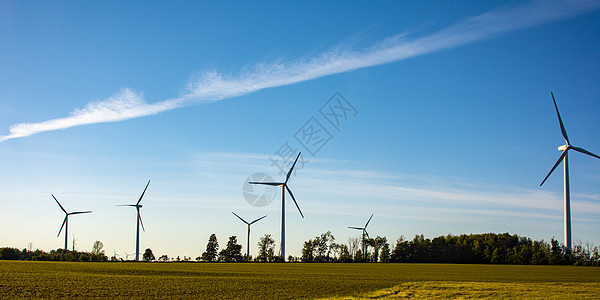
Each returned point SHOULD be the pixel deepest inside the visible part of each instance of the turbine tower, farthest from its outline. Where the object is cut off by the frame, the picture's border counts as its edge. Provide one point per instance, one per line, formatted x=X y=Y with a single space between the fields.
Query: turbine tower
x=139 y=222
x=65 y=223
x=364 y=233
x=284 y=187
x=564 y=157
x=248 y=243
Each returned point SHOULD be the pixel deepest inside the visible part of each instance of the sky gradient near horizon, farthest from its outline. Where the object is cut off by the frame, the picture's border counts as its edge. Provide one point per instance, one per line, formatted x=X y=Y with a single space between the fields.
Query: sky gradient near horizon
x=435 y=117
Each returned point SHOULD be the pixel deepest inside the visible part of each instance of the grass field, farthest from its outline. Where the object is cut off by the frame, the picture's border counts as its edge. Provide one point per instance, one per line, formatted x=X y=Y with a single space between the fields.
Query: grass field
x=294 y=280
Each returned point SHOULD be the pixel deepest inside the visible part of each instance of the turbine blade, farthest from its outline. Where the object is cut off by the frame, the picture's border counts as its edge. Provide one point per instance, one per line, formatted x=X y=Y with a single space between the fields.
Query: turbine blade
x=61 y=207
x=357 y=228
x=368 y=221
x=132 y=205
x=293 y=198
x=142 y=196
x=292 y=168
x=80 y=212
x=141 y=223
x=257 y=220
x=63 y=225
x=267 y=183
x=367 y=234
x=585 y=152
x=562 y=126
x=555 y=165
x=240 y=218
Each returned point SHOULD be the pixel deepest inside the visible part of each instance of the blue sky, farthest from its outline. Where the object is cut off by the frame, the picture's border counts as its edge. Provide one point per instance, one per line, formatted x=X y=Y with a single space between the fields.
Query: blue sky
x=451 y=132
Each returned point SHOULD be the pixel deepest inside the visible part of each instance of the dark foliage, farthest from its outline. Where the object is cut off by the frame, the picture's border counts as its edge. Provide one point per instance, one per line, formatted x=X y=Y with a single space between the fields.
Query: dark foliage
x=491 y=248
x=54 y=255
x=232 y=252
x=212 y=249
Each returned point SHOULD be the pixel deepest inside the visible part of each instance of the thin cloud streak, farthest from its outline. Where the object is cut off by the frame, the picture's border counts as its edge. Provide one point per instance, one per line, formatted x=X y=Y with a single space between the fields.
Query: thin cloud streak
x=124 y=105
x=213 y=86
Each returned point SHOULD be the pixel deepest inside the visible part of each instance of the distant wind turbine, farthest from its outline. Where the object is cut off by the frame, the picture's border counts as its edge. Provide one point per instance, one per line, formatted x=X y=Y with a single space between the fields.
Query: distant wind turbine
x=248 y=243
x=138 y=222
x=284 y=187
x=65 y=223
x=364 y=233
x=565 y=158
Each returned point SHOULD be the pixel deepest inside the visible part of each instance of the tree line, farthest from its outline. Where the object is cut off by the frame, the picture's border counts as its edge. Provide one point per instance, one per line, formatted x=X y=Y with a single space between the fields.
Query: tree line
x=97 y=254
x=487 y=248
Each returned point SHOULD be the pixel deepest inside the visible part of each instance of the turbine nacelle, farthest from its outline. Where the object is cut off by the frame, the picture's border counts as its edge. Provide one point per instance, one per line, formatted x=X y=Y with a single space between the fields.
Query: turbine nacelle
x=563 y=147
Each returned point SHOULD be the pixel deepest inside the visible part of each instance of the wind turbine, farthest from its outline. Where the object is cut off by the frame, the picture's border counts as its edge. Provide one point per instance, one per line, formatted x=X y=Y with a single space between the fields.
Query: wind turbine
x=248 y=245
x=364 y=233
x=284 y=187
x=65 y=223
x=565 y=158
x=138 y=222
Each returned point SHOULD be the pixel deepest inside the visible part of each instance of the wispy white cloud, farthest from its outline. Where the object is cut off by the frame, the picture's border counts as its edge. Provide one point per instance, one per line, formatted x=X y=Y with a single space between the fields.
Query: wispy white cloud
x=126 y=104
x=213 y=86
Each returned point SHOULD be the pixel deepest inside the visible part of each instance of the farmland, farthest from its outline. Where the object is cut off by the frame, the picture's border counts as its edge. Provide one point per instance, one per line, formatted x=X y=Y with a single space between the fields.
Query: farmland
x=293 y=280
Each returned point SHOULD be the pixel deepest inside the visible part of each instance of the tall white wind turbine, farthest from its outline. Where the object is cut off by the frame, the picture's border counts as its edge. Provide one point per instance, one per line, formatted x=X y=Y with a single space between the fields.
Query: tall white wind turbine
x=564 y=157
x=248 y=241
x=284 y=187
x=65 y=223
x=138 y=222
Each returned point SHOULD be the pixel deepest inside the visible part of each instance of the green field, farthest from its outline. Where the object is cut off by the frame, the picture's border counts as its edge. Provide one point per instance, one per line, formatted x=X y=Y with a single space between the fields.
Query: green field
x=294 y=280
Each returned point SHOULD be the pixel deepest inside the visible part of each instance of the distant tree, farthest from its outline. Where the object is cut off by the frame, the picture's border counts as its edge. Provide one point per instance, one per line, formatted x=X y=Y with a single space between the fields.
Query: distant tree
x=345 y=255
x=97 y=248
x=334 y=250
x=353 y=244
x=266 y=247
x=378 y=243
x=148 y=255
x=399 y=253
x=319 y=249
x=97 y=253
x=384 y=256
x=271 y=255
x=369 y=242
x=232 y=252
x=556 y=253
x=539 y=253
x=212 y=248
x=358 y=256
x=164 y=258
x=308 y=252
x=322 y=244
